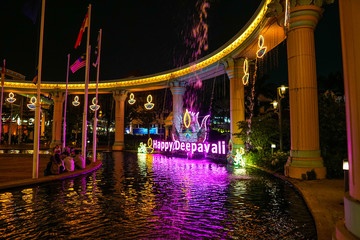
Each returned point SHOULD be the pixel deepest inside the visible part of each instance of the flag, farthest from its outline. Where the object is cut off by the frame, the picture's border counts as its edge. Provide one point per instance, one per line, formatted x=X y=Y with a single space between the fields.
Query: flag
x=82 y=30
x=31 y=9
x=35 y=79
x=97 y=51
x=79 y=63
x=3 y=73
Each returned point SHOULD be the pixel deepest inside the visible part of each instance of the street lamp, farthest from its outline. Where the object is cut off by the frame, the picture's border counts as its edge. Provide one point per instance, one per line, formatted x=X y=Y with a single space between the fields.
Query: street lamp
x=280 y=94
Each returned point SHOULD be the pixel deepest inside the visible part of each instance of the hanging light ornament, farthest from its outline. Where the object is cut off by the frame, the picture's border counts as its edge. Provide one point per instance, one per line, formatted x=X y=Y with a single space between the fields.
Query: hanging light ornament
x=131 y=99
x=149 y=105
x=262 y=50
x=94 y=105
x=11 y=98
x=245 y=78
x=31 y=105
x=76 y=101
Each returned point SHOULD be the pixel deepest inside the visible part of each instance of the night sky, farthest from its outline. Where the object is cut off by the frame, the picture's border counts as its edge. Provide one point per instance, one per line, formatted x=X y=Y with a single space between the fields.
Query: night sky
x=140 y=37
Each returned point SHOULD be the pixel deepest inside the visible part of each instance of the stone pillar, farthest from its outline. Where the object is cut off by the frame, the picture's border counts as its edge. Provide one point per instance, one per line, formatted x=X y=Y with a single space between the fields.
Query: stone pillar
x=235 y=73
x=120 y=97
x=58 y=98
x=350 y=39
x=305 y=160
x=42 y=131
x=177 y=89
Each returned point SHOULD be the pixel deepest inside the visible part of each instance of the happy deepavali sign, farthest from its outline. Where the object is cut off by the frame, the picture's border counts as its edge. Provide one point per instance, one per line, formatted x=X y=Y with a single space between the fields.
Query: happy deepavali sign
x=194 y=147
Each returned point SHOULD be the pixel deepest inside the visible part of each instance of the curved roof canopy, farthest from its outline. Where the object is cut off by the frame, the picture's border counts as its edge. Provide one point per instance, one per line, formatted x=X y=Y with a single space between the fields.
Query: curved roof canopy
x=243 y=44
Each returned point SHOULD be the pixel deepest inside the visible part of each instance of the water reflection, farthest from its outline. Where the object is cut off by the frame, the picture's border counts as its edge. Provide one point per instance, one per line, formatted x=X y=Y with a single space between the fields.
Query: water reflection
x=153 y=196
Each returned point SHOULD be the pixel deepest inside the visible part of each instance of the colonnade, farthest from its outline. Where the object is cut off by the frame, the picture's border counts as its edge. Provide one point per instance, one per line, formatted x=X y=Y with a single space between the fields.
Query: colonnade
x=305 y=156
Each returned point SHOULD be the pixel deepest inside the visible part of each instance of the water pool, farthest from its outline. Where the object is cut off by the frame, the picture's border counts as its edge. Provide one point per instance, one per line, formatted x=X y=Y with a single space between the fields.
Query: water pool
x=141 y=197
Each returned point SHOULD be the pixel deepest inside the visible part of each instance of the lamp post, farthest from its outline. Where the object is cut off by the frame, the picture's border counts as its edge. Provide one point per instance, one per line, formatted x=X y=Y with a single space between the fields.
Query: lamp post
x=280 y=94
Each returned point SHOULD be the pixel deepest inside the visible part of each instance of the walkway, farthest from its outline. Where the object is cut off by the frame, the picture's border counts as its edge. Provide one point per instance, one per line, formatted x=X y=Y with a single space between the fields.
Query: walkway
x=16 y=170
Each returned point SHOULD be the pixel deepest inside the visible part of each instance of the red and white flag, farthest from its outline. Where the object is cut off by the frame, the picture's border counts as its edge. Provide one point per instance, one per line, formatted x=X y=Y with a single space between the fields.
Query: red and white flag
x=82 y=30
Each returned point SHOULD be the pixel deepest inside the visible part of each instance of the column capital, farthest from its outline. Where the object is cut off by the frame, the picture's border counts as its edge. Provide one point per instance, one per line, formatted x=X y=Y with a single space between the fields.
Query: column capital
x=303 y=13
x=120 y=94
x=178 y=83
x=58 y=96
x=178 y=87
x=233 y=67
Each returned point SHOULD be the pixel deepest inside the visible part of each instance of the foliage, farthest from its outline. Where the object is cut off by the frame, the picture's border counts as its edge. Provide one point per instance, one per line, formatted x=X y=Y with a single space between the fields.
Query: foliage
x=274 y=162
x=332 y=128
x=264 y=131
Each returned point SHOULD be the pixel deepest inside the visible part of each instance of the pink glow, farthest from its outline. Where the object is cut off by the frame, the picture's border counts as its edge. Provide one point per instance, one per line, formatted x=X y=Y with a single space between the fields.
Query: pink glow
x=191 y=148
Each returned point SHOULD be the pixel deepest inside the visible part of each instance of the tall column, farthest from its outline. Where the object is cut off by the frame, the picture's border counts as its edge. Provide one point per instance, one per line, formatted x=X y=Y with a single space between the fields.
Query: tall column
x=58 y=98
x=42 y=124
x=305 y=158
x=235 y=73
x=350 y=39
x=120 y=97
x=177 y=89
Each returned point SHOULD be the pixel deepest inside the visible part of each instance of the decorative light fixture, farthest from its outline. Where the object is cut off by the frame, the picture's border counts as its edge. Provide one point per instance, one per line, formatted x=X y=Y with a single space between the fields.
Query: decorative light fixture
x=149 y=105
x=11 y=98
x=94 y=105
x=187 y=119
x=262 y=50
x=245 y=78
x=239 y=160
x=76 y=101
x=142 y=148
x=131 y=99
x=149 y=148
x=31 y=105
x=275 y=104
x=282 y=90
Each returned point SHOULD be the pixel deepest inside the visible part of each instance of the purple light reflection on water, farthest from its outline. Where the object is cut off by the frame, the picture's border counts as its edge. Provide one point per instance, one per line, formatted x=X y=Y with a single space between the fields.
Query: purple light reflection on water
x=196 y=207
x=156 y=197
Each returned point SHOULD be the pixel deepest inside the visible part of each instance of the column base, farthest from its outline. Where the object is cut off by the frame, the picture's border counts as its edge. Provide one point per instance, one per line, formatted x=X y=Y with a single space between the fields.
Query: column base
x=341 y=233
x=349 y=229
x=304 y=167
x=118 y=146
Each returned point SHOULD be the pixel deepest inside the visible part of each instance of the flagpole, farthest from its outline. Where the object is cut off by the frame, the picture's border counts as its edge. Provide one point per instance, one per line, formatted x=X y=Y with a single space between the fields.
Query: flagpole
x=65 y=107
x=96 y=97
x=84 y=130
x=2 y=95
x=35 y=173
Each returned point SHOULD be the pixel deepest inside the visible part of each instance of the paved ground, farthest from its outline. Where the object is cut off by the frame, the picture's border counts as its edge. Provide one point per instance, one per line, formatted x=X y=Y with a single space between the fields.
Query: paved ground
x=19 y=166
x=323 y=197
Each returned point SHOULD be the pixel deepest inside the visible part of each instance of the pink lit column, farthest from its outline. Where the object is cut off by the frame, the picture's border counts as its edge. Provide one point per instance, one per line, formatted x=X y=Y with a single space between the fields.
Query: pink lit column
x=177 y=89
x=58 y=98
x=350 y=39
x=234 y=71
x=119 y=96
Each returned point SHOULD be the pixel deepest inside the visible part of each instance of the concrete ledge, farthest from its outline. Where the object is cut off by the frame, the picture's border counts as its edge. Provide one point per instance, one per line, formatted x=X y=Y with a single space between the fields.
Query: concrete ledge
x=30 y=181
x=342 y=233
x=319 y=196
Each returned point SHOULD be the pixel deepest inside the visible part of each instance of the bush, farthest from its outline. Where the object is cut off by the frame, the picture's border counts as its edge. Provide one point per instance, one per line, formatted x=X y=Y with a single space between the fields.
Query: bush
x=274 y=162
